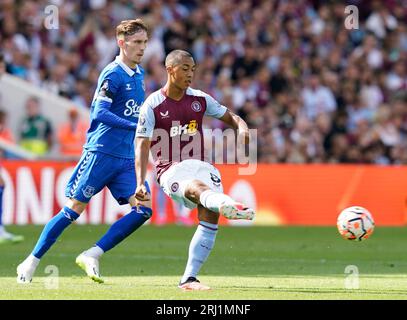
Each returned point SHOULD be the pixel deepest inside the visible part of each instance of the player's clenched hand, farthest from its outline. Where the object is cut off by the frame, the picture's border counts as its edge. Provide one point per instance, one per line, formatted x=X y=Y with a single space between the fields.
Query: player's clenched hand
x=142 y=193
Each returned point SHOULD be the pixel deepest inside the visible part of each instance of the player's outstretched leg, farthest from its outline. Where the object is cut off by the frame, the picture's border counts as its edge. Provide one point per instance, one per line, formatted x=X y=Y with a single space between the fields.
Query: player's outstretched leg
x=220 y=203
x=121 y=229
x=210 y=205
x=52 y=230
x=199 y=249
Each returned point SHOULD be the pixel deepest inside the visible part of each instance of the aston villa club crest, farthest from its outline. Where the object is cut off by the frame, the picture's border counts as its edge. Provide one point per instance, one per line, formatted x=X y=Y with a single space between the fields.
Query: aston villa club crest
x=196 y=106
x=215 y=179
x=174 y=187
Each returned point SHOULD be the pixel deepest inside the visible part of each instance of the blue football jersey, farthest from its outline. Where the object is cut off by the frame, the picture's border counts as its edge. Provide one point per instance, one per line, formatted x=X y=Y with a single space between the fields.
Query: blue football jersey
x=115 y=110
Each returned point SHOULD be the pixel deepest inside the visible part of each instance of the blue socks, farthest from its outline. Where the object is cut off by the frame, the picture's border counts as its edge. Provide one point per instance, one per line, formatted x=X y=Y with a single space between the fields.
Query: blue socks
x=53 y=230
x=1 y=204
x=123 y=227
x=120 y=230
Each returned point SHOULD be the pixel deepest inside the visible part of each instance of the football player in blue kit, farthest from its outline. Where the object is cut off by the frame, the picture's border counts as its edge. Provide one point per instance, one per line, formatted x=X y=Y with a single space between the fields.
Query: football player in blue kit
x=108 y=156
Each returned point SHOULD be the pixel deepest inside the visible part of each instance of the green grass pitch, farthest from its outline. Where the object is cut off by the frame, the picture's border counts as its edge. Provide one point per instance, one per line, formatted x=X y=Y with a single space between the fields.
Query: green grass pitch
x=246 y=263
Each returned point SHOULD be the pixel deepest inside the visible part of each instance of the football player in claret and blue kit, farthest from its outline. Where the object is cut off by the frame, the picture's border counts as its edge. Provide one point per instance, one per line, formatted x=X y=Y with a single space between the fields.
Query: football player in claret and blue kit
x=171 y=124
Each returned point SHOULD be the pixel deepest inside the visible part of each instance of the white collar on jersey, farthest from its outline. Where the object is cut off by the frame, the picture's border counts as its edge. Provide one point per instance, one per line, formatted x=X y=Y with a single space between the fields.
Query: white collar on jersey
x=126 y=67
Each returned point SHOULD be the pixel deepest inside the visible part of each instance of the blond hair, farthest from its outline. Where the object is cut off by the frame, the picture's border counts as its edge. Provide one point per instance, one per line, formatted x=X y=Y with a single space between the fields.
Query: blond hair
x=130 y=27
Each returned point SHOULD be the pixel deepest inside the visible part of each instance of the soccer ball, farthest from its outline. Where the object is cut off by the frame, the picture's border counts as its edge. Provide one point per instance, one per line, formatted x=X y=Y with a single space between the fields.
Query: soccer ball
x=355 y=223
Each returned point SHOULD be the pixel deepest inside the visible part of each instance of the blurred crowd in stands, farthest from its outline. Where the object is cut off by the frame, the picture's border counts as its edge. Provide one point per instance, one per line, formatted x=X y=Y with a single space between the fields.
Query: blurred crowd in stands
x=315 y=90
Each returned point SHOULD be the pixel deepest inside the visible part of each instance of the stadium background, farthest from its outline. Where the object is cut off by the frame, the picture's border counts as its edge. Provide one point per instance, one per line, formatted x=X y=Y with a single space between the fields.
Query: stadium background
x=329 y=103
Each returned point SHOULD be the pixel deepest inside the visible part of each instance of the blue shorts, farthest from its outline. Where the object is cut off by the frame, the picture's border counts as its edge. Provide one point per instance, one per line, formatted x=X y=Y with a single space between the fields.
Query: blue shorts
x=95 y=170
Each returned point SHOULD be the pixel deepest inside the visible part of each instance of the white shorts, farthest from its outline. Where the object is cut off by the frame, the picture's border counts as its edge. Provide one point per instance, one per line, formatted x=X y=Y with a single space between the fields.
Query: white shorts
x=175 y=180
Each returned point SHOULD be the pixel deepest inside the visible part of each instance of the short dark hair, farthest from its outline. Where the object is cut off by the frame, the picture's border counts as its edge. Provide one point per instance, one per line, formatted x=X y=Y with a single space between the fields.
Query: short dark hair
x=130 y=27
x=174 y=57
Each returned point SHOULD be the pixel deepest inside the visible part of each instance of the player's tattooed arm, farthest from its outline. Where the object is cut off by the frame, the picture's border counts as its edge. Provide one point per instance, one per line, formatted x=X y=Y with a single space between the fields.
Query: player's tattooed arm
x=237 y=123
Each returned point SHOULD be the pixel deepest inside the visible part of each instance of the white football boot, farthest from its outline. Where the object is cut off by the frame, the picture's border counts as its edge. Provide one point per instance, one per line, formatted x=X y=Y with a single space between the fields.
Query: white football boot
x=235 y=211
x=90 y=265
x=193 y=283
x=26 y=269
